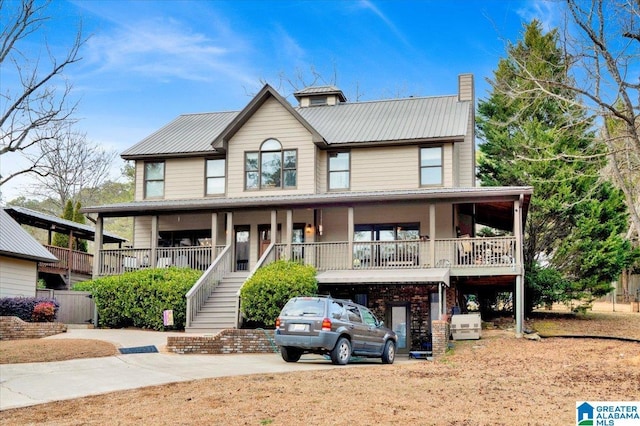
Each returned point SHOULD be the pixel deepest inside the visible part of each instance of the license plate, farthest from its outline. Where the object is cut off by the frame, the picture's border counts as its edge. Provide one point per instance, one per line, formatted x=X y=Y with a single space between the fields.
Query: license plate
x=298 y=327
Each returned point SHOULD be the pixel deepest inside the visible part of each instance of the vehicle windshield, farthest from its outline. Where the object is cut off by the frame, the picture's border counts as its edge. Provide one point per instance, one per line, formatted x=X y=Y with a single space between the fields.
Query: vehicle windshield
x=303 y=307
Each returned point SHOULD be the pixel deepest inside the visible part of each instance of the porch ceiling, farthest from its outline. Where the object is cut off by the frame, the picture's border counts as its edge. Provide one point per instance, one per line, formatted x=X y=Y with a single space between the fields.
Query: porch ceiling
x=385 y=276
x=499 y=214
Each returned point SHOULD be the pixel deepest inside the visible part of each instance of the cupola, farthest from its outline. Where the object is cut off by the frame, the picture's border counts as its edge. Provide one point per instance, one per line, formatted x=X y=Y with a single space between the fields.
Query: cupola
x=319 y=96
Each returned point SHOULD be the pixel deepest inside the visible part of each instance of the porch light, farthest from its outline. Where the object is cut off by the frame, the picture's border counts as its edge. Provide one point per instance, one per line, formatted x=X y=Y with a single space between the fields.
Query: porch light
x=309 y=229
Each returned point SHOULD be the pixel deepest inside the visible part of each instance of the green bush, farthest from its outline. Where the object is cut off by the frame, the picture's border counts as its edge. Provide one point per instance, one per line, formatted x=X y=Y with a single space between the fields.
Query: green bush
x=267 y=291
x=139 y=298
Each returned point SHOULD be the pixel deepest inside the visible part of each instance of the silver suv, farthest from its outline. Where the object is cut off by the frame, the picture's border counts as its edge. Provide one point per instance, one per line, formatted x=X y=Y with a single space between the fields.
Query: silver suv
x=339 y=328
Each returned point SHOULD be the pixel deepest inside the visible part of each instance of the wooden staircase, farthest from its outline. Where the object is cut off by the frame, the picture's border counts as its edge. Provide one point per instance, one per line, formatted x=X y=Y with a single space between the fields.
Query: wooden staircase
x=219 y=311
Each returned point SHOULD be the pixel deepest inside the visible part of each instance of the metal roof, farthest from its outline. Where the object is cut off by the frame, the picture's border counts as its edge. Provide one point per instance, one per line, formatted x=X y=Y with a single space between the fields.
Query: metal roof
x=458 y=195
x=17 y=242
x=392 y=120
x=396 y=120
x=187 y=134
x=385 y=276
x=30 y=217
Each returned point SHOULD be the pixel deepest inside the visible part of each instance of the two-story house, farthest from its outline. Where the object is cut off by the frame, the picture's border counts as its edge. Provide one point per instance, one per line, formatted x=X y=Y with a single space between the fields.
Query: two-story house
x=379 y=196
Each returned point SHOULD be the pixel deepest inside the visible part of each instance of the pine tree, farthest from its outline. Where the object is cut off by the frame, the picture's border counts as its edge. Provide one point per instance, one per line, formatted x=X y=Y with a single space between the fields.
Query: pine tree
x=538 y=139
x=80 y=245
x=62 y=240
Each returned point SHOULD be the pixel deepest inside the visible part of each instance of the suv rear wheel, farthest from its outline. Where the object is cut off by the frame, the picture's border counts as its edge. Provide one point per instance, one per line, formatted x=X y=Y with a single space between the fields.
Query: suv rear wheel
x=389 y=352
x=341 y=353
x=290 y=354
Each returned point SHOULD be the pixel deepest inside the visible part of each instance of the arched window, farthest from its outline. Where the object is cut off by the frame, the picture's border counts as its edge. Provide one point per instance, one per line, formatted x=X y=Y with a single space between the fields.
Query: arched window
x=271 y=167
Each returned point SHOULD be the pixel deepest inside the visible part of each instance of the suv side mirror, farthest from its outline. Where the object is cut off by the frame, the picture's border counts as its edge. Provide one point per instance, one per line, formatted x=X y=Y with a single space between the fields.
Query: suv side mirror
x=380 y=323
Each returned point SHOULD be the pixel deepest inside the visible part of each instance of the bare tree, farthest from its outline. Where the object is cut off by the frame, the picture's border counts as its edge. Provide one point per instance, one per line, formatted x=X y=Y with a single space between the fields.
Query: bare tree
x=72 y=167
x=35 y=112
x=601 y=39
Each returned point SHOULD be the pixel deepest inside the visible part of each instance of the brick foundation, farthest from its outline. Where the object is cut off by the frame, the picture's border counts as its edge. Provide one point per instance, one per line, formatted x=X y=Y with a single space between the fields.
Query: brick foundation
x=440 y=337
x=13 y=328
x=380 y=299
x=230 y=341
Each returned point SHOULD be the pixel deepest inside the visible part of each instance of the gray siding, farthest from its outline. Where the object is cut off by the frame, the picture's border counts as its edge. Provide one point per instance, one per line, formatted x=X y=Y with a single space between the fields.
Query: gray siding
x=17 y=277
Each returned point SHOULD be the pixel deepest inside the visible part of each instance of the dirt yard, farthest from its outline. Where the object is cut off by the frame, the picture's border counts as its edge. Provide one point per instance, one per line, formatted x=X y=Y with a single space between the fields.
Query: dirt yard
x=498 y=380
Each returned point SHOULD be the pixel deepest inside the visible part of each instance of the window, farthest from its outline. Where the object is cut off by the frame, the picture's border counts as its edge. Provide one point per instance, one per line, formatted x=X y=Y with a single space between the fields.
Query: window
x=271 y=167
x=154 y=179
x=317 y=100
x=353 y=313
x=339 y=170
x=368 y=318
x=431 y=166
x=215 y=176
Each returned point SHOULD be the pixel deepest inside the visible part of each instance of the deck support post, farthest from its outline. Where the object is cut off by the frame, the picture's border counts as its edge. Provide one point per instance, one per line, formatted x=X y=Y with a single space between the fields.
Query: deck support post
x=519 y=290
x=69 y=260
x=97 y=248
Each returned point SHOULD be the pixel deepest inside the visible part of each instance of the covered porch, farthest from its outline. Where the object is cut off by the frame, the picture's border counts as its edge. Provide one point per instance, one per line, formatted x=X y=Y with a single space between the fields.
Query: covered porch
x=351 y=234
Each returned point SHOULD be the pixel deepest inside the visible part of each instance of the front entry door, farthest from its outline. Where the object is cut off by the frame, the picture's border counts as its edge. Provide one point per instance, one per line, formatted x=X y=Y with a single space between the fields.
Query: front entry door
x=242 y=247
x=399 y=322
x=265 y=238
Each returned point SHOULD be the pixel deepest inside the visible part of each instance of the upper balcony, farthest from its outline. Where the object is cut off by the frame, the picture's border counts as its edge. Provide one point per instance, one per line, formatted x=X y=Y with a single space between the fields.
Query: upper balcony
x=69 y=261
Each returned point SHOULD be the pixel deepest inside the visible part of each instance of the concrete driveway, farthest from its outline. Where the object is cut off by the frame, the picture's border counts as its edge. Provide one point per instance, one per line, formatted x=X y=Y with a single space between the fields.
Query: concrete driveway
x=22 y=385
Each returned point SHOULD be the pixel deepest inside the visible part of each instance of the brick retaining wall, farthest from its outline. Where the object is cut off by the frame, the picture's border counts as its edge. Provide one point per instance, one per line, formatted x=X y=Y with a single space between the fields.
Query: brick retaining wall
x=230 y=341
x=13 y=328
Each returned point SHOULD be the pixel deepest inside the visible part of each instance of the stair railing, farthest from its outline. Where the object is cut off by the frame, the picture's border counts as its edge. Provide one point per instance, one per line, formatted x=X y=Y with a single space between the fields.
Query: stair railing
x=267 y=257
x=202 y=289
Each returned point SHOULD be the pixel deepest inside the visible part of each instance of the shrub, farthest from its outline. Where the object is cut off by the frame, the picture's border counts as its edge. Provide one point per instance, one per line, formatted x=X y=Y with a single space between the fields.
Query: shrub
x=139 y=298
x=267 y=291
x=23 y=307
x=43 y=312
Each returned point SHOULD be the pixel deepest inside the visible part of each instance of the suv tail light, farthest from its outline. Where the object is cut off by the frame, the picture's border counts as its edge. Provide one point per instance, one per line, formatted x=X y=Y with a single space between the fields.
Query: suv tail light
x=277 y=323
x=326 y=324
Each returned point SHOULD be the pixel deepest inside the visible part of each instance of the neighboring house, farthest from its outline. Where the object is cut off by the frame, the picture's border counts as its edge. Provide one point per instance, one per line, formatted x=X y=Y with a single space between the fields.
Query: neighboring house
x=19 y=257
x=71 y=266
x=379 y=196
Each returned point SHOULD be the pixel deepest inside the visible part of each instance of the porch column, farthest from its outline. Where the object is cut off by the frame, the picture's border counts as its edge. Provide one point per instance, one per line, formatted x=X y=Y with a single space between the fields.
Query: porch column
x=350 y=228
x=229 y=230
x=289 y=234
x=519 y=296
x=97 y=247
x=274 y=226
x=432 y=234
x=154 y=240
x=214 y=235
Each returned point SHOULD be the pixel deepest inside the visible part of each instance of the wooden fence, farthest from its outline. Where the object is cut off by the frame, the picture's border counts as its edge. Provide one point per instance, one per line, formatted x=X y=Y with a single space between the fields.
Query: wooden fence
x=76 y=307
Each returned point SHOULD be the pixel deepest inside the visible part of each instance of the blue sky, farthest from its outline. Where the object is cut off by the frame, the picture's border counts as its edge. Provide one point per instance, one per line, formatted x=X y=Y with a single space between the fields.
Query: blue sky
x=146 y=62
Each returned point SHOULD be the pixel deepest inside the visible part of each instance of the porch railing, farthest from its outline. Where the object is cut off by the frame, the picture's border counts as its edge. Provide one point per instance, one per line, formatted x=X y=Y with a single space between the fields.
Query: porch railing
x=117 y=261
x=202 y=289
x=80 y=262
x=454 y=252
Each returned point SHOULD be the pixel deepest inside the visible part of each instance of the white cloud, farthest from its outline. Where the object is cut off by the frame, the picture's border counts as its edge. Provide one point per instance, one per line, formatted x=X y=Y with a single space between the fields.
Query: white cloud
x=367 y=4
x=548 y=12
x=164 y=49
